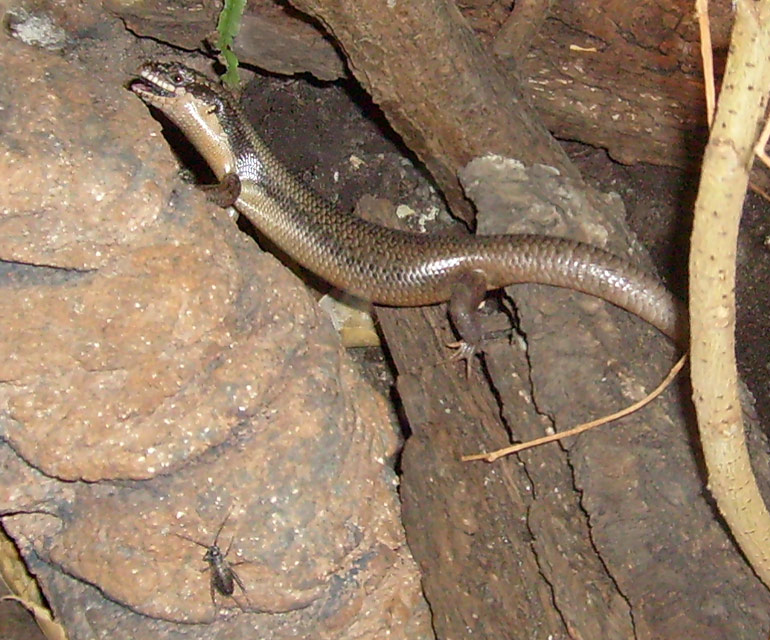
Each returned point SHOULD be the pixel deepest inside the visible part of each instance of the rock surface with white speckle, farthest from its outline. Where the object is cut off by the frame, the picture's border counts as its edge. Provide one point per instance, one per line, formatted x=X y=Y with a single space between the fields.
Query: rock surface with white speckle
x=161 y=377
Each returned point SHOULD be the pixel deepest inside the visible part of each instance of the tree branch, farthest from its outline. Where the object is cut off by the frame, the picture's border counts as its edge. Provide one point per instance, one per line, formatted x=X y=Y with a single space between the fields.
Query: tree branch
x=724 y=178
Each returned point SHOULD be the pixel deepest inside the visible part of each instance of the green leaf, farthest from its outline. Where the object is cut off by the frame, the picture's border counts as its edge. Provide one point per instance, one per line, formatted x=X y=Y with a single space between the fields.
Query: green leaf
x=227 y=28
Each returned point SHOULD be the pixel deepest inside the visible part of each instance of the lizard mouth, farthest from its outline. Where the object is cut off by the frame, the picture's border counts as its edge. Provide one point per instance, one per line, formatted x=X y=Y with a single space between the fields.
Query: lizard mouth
x=152 y=85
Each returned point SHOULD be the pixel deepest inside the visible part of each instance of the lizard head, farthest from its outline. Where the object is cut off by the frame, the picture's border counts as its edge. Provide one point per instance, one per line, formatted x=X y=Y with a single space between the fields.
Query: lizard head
x=204 y=112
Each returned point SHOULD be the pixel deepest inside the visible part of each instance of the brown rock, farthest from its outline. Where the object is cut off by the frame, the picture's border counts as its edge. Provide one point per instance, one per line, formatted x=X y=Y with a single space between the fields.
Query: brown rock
x=185 y=26
x=280 y=40
x=157 y=373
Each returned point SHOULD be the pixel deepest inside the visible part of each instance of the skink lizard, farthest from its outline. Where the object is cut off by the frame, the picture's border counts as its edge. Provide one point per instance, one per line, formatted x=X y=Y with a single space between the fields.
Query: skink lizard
x=383 y=265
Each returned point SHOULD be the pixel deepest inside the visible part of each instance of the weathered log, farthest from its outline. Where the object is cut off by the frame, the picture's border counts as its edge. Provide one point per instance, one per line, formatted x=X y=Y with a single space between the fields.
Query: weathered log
x=614 y=524
x=447 y=97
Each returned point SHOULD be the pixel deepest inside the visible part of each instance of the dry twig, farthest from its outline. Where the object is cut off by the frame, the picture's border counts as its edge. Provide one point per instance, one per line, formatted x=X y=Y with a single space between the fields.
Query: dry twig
x=494 y=455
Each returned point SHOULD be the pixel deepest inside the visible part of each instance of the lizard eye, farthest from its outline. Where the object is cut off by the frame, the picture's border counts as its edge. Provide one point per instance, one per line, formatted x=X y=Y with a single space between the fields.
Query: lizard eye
x=177 y=78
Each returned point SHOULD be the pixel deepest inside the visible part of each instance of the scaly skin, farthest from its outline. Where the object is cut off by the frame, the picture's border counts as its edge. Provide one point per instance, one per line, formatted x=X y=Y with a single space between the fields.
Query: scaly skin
x=383 y=265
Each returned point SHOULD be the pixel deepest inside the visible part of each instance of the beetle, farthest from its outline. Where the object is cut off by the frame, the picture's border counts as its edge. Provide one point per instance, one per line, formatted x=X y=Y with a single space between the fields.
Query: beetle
x=223 y=576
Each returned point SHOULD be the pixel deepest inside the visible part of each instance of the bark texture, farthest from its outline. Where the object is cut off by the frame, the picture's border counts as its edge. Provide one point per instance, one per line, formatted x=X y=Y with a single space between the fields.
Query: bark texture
x=439 y=88
x=614 y=524
x=627 y=78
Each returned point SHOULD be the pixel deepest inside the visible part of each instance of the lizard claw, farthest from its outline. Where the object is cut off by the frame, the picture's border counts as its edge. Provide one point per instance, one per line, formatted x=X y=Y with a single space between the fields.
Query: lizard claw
x=464 y=351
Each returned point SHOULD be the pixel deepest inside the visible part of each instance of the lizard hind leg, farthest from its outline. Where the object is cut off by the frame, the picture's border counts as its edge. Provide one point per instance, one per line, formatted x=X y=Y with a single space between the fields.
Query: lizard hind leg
x=468 y=293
